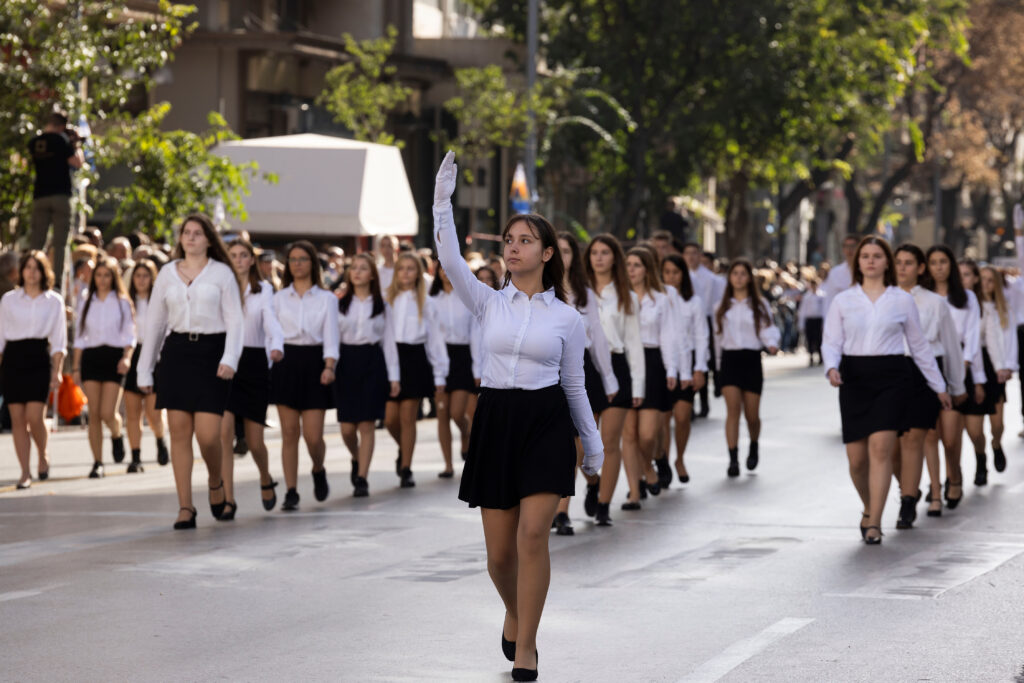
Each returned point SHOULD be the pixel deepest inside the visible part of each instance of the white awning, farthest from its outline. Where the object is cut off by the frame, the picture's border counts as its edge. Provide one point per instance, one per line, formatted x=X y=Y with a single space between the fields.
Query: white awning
x=327 y=187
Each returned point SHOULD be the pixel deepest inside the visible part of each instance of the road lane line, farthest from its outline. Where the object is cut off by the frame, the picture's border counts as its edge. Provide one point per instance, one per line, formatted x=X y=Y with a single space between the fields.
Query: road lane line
x=739 y=652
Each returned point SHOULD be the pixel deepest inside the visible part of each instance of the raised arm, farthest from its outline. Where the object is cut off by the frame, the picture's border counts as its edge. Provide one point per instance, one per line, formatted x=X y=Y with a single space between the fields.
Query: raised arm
x=473 y=293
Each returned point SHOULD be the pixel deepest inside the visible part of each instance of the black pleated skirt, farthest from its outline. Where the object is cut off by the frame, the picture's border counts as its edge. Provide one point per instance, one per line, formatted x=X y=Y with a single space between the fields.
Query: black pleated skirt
x=923 y=406
x=521 y=444
x=874 y=395
x=594 y=385
x=250 y=387
x=295 y=380
x=460 y=369
x=741 y=368
x=131 y=380
x=26 y=371
x=187 y=374
x=655 y=380
x=812 y=334
x=994 y=391
x=620 y=366
x=361 y=388
x=678 y=394
x=99 y=364
x=417 y=372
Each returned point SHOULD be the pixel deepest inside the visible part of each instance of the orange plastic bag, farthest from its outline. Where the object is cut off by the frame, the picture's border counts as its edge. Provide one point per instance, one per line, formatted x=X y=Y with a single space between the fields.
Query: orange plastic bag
x=70 y=399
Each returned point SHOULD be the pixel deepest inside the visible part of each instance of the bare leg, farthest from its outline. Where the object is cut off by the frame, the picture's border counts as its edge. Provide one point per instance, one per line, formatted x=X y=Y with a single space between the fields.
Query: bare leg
x=880 y=447
x=684 y=415
x=155 y=417
x=612 y=420
x=444 y=430
x=931 y=455
x=111 y=414
x=133 y=419
x=22 y=442
x=290 y=431
x=857 y=453
x=631 y=455
x=648 y=423
x=534 y=572
x=392 y=422
x=752 y=413
x=227 y=435
x=181 y=458
x=502 y=561
x=952 y=424
x=366 y=443
x=975 y=425
x=94 y=395
x=350 y=437
x=911 y=446
x=207 y=429
x=35 y=416
x=407 y=419
x=458 y=402
x=733 y=407
x=996 y=422
x=313 y=435
x=260 y=456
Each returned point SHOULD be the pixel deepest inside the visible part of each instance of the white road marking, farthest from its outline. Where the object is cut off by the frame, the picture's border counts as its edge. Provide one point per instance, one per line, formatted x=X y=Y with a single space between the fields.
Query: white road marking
x=739 y=652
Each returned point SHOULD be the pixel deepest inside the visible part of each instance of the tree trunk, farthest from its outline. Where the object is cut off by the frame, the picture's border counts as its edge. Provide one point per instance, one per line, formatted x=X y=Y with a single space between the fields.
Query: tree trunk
x=737 y=217
x=632 y=197
x=790 y=202
x=855 y=204
x=880 y=201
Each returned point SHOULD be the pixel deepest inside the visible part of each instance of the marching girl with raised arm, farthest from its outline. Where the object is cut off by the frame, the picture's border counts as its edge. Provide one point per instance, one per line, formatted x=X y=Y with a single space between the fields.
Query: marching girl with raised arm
x=367 y=365
x=140 y=287
x=104 y=342
x=618 y=305
x=661 y=337
x=743 y=326
x=461 y=334
x=33 y=341
x=997 y=361
x=866 y=330
x=422 y=359
x=693 y=364
x=262 y=345
x=521 y=458
x=197 y=305
x=944 y=279
x=598 y=375
x=301 y=383
x=920 y=441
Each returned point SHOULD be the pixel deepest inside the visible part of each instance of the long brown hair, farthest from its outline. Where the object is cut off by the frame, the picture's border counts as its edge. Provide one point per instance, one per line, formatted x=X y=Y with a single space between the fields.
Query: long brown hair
x=316 y=273
x=117 y=288
x=553 y=275
x=43 y=263
x=890 y=271
x=619 y=278
x=215 y=250
x=253 y=276
x=753 y=296
x=420 y=288
x=998 y=298
x=350 y=291
x=577 y=274
x=148 y=266
x=652 y=276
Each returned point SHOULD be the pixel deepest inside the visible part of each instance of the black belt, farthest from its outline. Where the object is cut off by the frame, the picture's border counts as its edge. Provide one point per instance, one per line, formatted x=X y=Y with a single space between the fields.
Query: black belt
x=196 y=336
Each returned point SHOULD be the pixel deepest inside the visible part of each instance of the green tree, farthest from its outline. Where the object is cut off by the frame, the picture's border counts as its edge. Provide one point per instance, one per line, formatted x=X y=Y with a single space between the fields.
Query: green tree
x=173 y=173
x=362 y=92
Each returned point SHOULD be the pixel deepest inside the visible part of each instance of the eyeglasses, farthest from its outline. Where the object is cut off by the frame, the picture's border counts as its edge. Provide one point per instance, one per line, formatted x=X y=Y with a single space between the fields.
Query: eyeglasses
x=299 y=259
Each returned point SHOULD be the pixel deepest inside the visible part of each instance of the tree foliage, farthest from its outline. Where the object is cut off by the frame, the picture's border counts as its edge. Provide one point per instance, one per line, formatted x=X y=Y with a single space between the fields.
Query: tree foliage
x=363 y=92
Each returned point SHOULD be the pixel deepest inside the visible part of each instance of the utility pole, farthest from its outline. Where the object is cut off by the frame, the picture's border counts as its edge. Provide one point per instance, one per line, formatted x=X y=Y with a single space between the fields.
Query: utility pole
x=531 y=79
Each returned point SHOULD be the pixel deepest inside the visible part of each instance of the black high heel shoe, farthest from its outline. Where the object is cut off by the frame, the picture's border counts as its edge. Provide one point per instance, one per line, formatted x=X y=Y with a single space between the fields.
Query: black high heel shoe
x=229 y=512
x=998 y=459
x=951 y=502
x=873 y=540
x=680 y=469
x=508 y=648
x=217 y=509
x=521 y=674
x=863 y=529
x=189 y=523
x=908 y=512
x=664 y=472
x=934 y=499
x=981 y=473
x=268 y=505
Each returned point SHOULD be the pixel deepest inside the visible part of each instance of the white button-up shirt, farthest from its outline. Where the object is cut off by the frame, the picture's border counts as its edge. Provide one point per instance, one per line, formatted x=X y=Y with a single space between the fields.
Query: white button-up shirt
x=840 y=279
x=940 y=331
x=528 y=342
x=109 y=323
x=693 y=327
x=211 y=304
x=456 y=325
x=994 y=336
x=812 y=305
x=968 y=328
x=262 y=329
x=857 y=326
x=415 y=327
x=659 y=328
x=738 y=331
x=623 y=334
x=358 y=327
x=597 y=343
x=39 y=317
x=141 y=309
x=310 y=319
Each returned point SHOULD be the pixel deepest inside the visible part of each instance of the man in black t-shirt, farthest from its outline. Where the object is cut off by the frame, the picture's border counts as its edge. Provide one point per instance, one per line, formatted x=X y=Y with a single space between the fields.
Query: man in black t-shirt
x=54 y=155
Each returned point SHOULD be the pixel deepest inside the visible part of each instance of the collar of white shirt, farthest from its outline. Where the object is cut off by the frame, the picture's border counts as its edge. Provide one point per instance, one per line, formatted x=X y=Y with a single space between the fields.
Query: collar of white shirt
x=546 y=296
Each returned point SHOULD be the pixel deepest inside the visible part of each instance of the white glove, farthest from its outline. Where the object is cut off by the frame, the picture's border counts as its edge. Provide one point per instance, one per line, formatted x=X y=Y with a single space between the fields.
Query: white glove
x=1018 y=217
x=592 y=463
x=447 y=176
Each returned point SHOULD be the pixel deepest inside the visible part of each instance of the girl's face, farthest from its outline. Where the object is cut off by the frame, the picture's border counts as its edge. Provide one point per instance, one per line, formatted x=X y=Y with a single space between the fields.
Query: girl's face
x=988 y=284
x=566 y=252
x=103 y=278
x=142 y=280
x=967 y=276
x=359 y=273
x=636 y=271
x=524 y=252
x=872 y=261
x=406 y=273
x=300 y=264
x=938 y=267
x=739 y=278
x=32 y=274
x=908 y=270
x=671 y=274
x=602 y=259
x=241 y=259
x=487 y=278
x=193 y=239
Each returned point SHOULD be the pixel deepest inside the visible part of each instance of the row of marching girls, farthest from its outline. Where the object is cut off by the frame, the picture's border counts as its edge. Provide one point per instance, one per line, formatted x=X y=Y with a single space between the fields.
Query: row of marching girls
x=647 y=355
x=896 y=408
x=106 y=349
